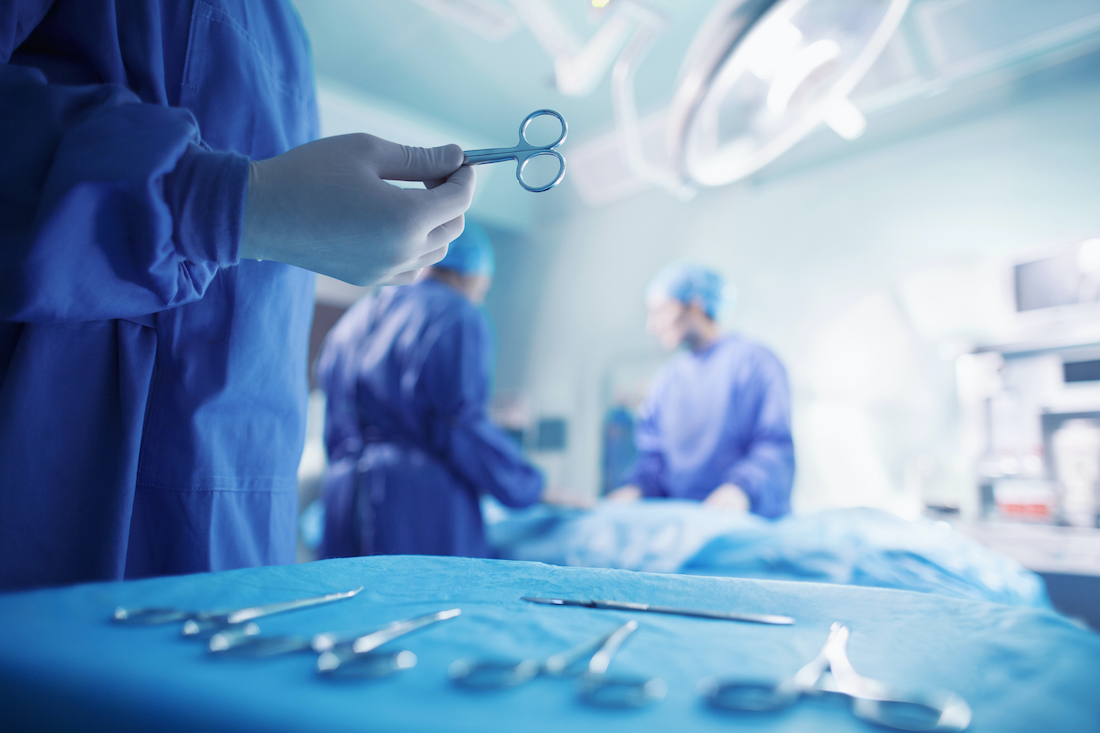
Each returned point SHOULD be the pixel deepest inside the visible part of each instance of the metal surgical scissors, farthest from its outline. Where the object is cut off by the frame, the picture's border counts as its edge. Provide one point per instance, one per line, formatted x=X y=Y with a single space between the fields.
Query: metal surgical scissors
x=831 y=671
x=596 y=686
x=353 y=657
x=199 y=623
x=525 y=152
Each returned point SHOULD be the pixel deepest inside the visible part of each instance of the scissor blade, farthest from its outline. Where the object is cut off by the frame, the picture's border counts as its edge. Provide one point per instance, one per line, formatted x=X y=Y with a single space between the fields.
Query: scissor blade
x=149 y=616
x=246 y=614
x=754 y=618
x=557 y=601
x=399 y=628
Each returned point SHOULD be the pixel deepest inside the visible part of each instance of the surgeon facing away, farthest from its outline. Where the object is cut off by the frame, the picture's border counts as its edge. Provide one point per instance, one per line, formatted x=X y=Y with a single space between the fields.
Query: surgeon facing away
x=715 y=425
x=406 y=372
x=161 y=203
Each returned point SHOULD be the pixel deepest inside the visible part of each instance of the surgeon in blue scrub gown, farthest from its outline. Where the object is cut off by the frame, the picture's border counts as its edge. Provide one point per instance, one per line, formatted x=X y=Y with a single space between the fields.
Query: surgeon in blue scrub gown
x=406 y=372
x=157 y=182
x=716 y=424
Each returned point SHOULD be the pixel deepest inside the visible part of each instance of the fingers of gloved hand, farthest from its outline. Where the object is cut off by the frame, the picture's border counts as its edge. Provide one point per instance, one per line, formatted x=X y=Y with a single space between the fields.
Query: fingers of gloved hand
x=396 y=162
x=446 y=232
x=403 y=279
x=407 y=273
x=432 y=257
x=446 y=201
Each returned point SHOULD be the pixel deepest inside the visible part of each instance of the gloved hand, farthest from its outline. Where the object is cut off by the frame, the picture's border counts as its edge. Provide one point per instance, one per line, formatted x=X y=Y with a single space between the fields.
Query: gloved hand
x=326 y=206
x=624 y=494
x=730 y=497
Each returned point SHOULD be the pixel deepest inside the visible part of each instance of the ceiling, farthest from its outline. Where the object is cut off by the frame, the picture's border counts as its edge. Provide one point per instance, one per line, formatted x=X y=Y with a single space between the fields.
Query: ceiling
x=415 y=59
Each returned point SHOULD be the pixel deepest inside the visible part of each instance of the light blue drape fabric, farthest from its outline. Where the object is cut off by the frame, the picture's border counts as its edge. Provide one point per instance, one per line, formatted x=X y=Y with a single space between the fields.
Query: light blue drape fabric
x=853 y=546
x=63 y=663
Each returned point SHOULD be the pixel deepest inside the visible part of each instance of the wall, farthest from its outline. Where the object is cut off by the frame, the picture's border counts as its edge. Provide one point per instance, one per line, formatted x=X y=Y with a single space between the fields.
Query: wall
x=817 y=256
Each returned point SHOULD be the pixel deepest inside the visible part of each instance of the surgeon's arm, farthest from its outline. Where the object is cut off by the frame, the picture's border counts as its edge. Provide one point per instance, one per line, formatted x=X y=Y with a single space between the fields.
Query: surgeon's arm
x=113 y=208
x=766 y=472
x=109 y=208
x=456 y=373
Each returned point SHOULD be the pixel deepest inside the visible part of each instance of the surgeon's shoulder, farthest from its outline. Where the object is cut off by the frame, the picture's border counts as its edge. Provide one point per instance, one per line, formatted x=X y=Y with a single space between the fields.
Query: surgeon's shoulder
x=449 y=309
x=754 y=351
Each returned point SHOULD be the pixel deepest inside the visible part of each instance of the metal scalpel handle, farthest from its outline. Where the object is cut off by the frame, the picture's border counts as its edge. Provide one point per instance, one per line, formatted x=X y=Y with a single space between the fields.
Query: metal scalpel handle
x=754 y=618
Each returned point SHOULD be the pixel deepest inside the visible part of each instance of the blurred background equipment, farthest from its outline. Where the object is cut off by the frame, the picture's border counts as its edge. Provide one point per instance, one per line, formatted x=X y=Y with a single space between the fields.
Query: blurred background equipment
x=929 y=284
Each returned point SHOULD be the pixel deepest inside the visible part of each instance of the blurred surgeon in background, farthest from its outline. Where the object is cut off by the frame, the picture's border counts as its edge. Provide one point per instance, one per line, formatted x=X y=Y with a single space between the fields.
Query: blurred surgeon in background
x=406 y=371
x=716 y=423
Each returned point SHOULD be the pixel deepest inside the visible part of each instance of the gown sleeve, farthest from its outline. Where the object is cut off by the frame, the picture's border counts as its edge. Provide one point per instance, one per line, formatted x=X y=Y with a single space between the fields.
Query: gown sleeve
x=456 y=373
x=109 y=207
x=766 y=471
x=648 y=471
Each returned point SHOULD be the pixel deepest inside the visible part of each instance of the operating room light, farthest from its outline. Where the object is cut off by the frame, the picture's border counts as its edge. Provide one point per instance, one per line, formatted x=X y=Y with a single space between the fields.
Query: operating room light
x=765 y=74
x=797 y=69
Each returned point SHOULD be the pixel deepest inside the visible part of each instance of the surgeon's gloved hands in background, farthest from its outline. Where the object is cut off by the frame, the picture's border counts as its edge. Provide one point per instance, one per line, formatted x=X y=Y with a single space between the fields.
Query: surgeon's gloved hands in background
x=326 y=206
x=565 y=497
x=624 y=494
x=729 y=497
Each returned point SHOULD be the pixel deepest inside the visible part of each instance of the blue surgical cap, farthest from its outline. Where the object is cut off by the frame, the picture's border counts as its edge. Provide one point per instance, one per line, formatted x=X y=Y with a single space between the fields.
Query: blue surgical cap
x=471 y=253
x=688 y=283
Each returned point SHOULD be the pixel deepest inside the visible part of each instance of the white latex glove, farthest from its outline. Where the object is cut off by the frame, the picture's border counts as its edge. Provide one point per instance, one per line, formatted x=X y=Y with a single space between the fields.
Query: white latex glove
x=729 y=497
x=561 y=496
x=624 y=494
x=326 y=206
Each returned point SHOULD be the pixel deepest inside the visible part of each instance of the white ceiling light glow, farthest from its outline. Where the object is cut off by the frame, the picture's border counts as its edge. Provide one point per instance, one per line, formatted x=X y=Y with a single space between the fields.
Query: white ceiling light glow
x=790 y=71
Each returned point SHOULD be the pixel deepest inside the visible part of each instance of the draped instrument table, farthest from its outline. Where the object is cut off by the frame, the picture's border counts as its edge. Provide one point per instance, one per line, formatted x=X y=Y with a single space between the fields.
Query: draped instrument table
x=64 y=665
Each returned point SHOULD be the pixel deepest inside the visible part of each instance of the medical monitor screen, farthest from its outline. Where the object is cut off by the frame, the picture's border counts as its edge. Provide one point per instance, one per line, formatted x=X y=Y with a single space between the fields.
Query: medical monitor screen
x=1065 y=279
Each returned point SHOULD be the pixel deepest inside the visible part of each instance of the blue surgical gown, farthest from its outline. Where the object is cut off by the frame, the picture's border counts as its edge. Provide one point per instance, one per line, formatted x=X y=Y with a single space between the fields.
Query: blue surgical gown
x=152 y=386
x=720 y=415
x=411 y=448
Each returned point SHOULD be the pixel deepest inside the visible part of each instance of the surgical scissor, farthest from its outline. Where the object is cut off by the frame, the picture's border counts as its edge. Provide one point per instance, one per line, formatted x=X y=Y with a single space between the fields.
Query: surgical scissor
x=831 y=671
x=201 y=623
x=596 y=686
x=525 y=152
x=355 y=657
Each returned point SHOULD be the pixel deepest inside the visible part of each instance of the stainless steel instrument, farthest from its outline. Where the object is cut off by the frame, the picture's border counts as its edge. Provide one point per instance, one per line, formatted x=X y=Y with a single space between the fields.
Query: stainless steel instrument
x=753 y=618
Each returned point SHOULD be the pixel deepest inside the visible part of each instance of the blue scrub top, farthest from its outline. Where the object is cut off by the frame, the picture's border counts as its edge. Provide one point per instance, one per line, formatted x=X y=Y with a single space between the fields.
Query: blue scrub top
x=407 y=374
x=152 y=386
x=717 y=416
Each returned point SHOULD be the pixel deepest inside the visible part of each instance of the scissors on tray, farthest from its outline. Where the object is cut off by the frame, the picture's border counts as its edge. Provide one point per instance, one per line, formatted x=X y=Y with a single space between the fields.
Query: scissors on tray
x=596 y=686
x=204 y=623
x=831 y=672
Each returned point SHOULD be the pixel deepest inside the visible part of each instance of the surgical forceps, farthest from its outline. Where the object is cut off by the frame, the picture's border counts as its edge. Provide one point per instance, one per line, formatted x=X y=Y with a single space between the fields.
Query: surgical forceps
x=353 y=658
x=596 y=687
x=197 y=623
x=831 y=671
x=524 y=152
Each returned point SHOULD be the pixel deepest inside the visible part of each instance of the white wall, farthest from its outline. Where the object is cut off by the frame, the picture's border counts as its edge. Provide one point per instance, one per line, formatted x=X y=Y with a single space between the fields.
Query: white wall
x=817 y=257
